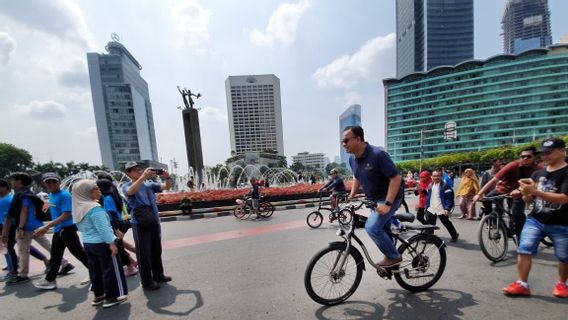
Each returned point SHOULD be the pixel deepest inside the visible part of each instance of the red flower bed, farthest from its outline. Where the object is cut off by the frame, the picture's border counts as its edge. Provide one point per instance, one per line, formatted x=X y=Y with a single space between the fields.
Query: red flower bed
x=227 y=194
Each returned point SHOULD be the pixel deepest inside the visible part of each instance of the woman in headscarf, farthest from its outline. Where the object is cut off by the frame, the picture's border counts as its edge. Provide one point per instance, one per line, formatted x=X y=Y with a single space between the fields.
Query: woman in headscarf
x=105 y=269
x=421 y=191
x=469 y=186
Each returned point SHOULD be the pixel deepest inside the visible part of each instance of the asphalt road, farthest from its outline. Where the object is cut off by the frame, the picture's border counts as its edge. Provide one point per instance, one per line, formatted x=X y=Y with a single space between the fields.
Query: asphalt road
x=229 y=269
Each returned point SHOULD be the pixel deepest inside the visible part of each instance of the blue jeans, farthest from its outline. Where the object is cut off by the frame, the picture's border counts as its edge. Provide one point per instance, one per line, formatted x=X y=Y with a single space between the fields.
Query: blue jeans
x=534 y=231
x=375 y=228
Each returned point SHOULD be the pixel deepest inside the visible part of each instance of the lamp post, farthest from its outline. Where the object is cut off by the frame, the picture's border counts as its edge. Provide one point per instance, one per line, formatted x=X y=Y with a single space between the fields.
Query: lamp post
x=450 y=132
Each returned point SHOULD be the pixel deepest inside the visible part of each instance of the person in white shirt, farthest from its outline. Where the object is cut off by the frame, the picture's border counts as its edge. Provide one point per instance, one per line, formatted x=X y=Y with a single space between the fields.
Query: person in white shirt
x=439 y=203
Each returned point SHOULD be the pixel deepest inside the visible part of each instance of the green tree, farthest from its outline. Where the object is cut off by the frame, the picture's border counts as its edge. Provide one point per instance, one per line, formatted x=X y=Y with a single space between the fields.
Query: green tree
x=297 y=167
x=13 y=159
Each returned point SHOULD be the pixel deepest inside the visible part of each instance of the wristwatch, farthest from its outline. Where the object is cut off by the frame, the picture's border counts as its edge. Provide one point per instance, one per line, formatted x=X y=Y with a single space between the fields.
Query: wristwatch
x=388 y=203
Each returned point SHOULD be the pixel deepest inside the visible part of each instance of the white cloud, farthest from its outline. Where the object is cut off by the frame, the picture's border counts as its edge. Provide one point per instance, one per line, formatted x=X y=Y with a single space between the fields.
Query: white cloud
x=282 y=25
x=373 y=61
x=352 y=97
x=77 y=77
x=7 y=46
x=60 y=18
x=191 y=21
x=89 y=132
x=213 y=114
x=42 y=109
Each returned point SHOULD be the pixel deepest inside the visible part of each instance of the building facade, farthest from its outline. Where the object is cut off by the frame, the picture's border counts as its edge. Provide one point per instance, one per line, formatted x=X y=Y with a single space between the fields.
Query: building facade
x=526 y=25
x=123 y=112
x=504 y=100
x=350 y=117
x=255 y=114
x=314 y=161
x=432 y=33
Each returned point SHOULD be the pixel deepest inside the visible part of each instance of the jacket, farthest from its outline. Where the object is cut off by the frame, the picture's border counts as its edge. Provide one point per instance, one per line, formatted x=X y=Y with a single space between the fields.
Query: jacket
x=446 y=196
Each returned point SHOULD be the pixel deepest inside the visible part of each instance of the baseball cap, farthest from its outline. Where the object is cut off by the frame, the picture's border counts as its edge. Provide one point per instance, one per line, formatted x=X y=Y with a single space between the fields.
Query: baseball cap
x=332 y=171
x=552 y=143
x=50 y=176
x=131 y=164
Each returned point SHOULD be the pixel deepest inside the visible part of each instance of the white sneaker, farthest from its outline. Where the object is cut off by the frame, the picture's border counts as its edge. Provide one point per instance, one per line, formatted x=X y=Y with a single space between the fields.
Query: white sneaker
x=46 y=285
x=114 y=302
x=85 y=281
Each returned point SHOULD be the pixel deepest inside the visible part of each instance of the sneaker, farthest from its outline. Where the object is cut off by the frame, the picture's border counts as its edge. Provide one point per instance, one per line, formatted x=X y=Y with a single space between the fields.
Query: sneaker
x=388 y=263
x=455 y=239
x=97 y=301
x=46 y=285
x=130 y=273
x=66 y=269
x=115 y=301
x=163 y=279
x=17 y=280
x=6 y=277
x=151 y=286
x=516 y=289
x=560 y=290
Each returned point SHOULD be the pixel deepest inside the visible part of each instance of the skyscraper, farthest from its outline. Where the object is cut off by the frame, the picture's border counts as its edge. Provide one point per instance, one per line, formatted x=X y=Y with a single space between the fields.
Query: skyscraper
x=123 y=112
x=432 y=33
x=255 y=114
x=526 y=25
x=350 y=117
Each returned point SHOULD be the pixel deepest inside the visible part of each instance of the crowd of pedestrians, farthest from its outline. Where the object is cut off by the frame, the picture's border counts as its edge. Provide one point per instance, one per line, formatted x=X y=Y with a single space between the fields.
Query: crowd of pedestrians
x=96 y=210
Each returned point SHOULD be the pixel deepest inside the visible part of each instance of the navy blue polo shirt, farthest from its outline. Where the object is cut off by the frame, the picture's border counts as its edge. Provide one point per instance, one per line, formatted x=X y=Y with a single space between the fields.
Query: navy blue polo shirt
x=373 y=170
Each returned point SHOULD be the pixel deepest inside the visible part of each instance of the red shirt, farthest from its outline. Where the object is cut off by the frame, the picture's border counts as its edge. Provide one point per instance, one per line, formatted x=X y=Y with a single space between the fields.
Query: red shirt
x=510 y=174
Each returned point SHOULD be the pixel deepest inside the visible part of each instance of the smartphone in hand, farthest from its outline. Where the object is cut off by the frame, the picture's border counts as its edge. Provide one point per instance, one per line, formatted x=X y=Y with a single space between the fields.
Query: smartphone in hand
x=526 y=181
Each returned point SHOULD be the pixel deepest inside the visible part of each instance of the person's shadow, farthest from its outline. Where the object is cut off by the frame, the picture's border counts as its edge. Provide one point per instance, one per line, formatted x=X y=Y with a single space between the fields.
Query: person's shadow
x=70 y=298
x=431 y=304
x=160 y=300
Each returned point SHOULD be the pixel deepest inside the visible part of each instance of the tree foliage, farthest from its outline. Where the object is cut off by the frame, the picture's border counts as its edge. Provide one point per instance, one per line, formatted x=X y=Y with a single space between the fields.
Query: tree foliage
x=13 y=159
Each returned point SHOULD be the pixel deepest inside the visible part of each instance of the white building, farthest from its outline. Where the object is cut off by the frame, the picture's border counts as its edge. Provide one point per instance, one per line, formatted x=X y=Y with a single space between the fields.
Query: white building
x=255 y=114
x=316 y=161
x=123 y=112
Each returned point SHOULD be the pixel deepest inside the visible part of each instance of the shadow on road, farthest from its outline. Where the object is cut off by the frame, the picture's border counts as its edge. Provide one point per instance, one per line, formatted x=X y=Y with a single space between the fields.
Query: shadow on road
x=166 y=296
x=433 y=304
x=70 y=298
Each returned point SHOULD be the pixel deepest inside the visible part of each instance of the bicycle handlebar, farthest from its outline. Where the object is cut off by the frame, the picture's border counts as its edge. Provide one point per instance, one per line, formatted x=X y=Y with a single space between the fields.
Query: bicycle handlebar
x=365 y=202
x=499 y=197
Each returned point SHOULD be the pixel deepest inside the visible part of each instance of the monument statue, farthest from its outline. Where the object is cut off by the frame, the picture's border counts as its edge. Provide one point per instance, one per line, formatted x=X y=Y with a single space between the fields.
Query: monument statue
x=186 y=96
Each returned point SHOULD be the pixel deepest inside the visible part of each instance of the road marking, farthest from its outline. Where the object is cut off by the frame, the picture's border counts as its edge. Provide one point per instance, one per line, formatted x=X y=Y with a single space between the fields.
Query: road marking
x=213 y=237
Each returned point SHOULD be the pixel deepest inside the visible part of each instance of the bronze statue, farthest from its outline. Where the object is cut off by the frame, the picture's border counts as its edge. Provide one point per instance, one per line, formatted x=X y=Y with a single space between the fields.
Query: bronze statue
x=186 y=96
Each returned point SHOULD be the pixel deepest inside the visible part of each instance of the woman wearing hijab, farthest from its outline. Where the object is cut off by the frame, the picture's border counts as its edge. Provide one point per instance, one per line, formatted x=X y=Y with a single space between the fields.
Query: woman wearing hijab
x=421 y=191
x=469 y=186
x=105 y=269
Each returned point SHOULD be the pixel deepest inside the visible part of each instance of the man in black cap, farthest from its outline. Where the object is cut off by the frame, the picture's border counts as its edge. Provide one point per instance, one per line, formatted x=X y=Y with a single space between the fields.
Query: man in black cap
x=547 y=189
x=145 y=221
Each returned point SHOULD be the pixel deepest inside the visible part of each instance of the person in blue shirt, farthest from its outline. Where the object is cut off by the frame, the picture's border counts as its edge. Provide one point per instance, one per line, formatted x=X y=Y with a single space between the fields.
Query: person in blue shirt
x=105 y=268
x=11 y=257
x=23 y=210
x=336 y=185
x=64 y=231
x=254 y=194
x=141 y=201
x=376 y=173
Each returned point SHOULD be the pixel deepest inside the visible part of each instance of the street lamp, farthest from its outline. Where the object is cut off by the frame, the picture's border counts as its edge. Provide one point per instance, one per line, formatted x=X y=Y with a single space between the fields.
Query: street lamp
x=450 y=133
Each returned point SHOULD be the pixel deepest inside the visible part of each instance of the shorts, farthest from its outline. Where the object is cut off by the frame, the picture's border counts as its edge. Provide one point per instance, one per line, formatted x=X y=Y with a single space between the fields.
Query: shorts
x=534 y=231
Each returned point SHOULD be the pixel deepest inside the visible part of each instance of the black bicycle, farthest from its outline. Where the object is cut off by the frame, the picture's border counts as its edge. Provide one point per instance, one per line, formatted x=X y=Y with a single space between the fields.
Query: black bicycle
x=335 y=272
x=315 y=218
x=244 y=208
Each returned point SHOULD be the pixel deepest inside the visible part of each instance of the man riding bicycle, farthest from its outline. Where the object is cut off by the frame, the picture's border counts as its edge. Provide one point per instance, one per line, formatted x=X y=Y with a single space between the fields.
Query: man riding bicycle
x=336 y=185
x=374 y=170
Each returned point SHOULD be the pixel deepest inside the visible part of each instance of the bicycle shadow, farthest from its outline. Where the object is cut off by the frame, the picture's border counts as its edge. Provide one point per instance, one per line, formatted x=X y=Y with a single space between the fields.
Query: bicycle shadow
x=167 y=295
x=433 y=304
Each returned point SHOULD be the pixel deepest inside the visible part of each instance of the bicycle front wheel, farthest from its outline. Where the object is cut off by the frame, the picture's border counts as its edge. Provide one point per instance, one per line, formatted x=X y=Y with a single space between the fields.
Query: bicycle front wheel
x=266 y=209
x=423 y=262
x=328 y=283
x=493 y=238
x=240 y=212
x=314 y=219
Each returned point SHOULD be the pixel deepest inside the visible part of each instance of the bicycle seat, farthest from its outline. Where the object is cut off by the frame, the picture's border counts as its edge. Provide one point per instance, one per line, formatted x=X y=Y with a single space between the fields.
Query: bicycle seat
x=404 y=217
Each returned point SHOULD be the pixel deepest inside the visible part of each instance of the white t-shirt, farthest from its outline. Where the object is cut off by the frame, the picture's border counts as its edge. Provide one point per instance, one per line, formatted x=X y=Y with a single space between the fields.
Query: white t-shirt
x=435 y=201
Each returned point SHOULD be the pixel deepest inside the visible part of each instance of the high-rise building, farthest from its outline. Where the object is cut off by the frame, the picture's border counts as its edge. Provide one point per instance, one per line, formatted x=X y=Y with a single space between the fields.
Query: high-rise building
x=431 y=33
x=312 y=161
x=504 y=100
x=123 y=112
x=349 y=117
x=526 y=25
x=255 y=114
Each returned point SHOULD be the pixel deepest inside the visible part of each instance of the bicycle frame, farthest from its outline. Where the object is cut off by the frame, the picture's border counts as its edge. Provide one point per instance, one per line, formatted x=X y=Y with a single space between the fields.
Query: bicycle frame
x=498 y=209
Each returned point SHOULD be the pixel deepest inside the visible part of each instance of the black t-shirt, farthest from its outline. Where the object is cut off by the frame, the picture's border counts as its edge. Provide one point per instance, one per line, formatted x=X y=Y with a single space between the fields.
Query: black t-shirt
x=556 y=182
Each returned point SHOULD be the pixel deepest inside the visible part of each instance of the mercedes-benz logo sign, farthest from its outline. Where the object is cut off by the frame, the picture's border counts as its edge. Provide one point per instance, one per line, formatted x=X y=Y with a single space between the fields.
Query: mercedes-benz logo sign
x=115 y=37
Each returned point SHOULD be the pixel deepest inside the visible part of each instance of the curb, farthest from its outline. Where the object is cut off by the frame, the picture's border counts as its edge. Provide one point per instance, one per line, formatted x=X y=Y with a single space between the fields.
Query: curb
x=178 y=216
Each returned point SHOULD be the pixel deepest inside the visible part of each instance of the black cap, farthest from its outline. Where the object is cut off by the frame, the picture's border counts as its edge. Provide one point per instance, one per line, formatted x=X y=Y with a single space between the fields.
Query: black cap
x=552 y=143
x=131 y=164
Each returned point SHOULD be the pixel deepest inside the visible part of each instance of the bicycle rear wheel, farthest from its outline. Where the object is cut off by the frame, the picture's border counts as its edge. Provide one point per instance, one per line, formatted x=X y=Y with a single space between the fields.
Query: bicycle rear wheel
x=314 y=219
x=344 y=217
x=423 y=262
x=241 y=212
x=493 y=238
x=326 y=282
x=547 y=241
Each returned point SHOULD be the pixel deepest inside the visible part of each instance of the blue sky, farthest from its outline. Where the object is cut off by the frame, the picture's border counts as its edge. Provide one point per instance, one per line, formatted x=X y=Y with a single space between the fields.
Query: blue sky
x=327 y=54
